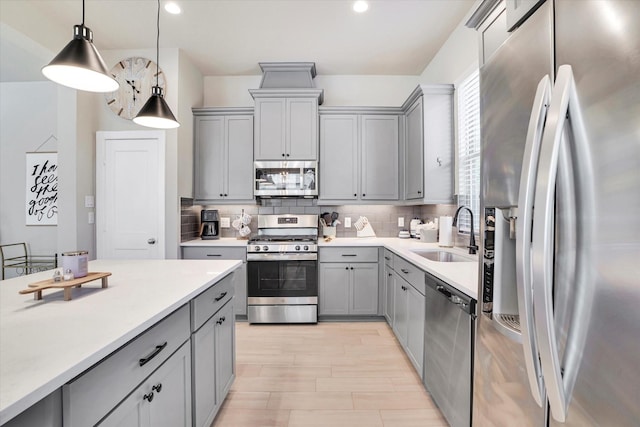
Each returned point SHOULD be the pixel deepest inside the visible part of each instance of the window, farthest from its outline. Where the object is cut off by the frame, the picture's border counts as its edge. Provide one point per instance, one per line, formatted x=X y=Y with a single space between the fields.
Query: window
x=469 y=150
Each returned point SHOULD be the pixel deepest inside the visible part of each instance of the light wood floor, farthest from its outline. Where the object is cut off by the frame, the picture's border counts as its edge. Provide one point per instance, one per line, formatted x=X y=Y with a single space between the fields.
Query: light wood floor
x=329 y=374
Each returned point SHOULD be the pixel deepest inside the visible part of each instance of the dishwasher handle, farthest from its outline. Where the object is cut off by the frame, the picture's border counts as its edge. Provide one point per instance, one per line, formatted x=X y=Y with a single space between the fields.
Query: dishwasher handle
x=443 y=291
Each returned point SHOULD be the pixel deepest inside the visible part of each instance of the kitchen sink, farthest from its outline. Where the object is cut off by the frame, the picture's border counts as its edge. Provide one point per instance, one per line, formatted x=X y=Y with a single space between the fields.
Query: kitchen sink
x=442 y=256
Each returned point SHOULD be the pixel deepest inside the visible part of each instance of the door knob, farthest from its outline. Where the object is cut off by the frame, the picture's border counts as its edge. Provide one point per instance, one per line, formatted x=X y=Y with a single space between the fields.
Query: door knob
x=151 y=241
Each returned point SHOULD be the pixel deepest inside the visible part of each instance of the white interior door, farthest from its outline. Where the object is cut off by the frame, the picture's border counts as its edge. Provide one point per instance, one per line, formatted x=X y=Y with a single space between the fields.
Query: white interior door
x=130 y=192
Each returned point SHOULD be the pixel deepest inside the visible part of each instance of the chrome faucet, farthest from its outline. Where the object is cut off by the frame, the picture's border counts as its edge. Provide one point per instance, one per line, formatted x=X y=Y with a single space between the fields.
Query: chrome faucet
x=472 y=238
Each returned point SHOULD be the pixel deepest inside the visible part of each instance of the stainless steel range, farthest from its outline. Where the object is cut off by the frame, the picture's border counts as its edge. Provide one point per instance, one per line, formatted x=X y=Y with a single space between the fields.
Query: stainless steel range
x=282 y=270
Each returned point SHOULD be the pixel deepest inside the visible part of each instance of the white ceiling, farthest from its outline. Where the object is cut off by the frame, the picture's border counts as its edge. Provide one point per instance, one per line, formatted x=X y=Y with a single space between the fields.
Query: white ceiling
x=230 y=37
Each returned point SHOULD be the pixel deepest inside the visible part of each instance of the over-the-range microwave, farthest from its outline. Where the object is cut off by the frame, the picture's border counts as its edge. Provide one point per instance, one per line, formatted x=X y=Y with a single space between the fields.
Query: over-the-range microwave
x=286 y=179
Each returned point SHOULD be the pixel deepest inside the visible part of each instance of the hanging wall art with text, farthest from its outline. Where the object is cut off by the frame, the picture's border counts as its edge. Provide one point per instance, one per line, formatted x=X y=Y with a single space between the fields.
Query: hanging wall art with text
x=42 y=189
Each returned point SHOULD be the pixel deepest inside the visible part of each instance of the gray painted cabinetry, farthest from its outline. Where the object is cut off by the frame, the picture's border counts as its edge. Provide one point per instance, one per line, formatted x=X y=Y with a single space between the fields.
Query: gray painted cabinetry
x=359 y=156
x=408 y=313
x=213 y=346
x=389 y=286
x=223 y=155
x=239 y=277
x=429 y=145
x=286 y=124
x=348 y=282
x=163 y=400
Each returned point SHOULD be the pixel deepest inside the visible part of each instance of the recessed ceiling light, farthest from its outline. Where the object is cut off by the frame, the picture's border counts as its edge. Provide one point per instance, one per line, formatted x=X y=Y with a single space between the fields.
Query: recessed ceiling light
x=172 y=8
x=360 y=6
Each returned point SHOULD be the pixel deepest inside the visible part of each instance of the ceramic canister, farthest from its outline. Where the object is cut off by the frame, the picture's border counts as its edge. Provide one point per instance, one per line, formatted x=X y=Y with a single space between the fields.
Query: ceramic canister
x=77 y=261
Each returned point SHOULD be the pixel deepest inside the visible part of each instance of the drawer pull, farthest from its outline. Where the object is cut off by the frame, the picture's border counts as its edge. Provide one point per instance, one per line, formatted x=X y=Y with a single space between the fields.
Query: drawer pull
x=151 y=355
x=148 y=397
x=404 y=271
x=222 y=295
x=387 y=258
x=214 y=254
x=349 y=254
x=157 y=387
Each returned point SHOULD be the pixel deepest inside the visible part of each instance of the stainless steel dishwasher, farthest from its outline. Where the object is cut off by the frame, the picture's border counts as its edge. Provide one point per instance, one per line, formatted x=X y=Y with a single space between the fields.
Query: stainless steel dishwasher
x=448 y=338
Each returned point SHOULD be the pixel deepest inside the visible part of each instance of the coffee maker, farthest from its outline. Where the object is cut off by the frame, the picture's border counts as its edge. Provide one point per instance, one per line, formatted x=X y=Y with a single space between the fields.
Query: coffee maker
x=209 y=224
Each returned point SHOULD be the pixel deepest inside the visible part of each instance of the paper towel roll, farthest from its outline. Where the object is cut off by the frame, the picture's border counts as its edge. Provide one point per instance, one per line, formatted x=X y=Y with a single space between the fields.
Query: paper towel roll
x=445 y=238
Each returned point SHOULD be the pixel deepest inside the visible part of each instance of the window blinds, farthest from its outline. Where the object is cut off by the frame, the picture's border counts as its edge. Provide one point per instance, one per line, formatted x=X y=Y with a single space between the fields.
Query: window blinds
x=469 y=150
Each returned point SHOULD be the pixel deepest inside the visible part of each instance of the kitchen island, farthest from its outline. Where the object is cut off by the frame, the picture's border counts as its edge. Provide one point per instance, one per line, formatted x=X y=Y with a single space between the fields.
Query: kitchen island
x=46 y=343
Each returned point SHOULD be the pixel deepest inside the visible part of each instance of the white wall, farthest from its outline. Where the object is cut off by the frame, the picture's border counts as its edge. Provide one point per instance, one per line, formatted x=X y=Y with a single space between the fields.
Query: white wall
x=37 y=101
x=362 y=91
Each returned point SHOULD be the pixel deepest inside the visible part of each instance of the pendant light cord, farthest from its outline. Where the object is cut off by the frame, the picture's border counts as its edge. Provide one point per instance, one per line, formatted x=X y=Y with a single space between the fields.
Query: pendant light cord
x=83 y=13
x=157 y=45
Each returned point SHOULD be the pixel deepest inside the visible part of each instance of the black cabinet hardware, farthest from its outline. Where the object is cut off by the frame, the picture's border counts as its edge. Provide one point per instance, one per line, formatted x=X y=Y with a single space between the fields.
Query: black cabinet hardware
x=151 y=355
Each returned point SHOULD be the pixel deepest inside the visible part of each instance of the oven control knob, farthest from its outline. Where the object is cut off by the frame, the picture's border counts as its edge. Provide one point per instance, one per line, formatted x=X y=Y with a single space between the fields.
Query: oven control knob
x=265 y=248
x=306 y=248
x=297 y=248
x=257 y=248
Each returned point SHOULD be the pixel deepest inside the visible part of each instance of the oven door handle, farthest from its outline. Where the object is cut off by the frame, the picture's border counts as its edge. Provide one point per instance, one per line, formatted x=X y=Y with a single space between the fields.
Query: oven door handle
x=282 y=257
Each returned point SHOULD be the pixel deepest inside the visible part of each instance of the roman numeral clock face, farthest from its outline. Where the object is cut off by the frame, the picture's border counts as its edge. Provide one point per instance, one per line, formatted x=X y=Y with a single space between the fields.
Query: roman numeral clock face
x=136 y=76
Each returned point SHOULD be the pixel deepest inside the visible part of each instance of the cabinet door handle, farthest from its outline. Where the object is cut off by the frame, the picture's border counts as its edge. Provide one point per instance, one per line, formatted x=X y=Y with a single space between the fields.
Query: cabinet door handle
x=220 y=194
x=214 y=254
x=221 y=320
x=346 y=268
x=363 y=194
x=287 y=155
x=148 y=397
x=151 y=355
x=222 y=295
x=352 y=268
x=282 y=154
x=355 y=195
x=439 y=161
x=404 y=271
x=387 y=258
x=349 y=254
x=419 y=192
x=157 y=387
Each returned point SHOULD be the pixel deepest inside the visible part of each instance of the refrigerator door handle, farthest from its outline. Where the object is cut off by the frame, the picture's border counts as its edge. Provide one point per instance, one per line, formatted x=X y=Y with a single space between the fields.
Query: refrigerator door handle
x=564 y=99
x=523 y=237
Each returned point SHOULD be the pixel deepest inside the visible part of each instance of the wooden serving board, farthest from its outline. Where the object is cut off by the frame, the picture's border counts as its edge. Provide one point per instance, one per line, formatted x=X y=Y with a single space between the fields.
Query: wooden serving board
x=67 y=285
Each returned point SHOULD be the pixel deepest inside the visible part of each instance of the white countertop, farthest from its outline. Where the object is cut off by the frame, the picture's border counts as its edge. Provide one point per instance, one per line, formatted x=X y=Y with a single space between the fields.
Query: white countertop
x=461 y=275
x=46 y=343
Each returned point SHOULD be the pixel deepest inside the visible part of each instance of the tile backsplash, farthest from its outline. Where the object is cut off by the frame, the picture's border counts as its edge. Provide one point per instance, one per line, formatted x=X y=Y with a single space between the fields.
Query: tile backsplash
x=383 y=218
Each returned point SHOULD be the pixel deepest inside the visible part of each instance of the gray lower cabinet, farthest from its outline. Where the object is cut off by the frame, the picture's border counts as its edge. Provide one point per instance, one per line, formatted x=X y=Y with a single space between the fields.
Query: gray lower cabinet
x=348 y=289
x=348 y=281
x=359 y=156
x=223 y=155
x=240 y=275
x=121 y=381
x=389 y=286
x=163 y=400
x=407 y=282
x=213 y=347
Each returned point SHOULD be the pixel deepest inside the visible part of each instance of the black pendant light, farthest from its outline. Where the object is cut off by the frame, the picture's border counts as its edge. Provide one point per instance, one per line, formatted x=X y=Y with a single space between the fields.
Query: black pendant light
x=79 y=65
x=155 y=113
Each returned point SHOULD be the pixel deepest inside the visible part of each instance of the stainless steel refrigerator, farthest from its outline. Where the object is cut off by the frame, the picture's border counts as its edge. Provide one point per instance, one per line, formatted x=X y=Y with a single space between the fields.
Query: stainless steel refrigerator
x=558 y=339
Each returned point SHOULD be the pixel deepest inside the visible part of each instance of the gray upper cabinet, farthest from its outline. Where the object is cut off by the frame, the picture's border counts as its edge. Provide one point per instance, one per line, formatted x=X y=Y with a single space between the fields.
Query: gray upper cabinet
x=379 y=146
x=286 y=124
x=339 y=157
x=429 y=145
x=491 y=20
x=223 y=155
x=414 y=182
x=359 y=156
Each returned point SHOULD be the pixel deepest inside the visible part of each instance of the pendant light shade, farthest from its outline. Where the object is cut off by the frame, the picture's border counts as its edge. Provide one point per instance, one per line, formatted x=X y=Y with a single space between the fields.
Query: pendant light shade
x=79 y=65
x=155 y=113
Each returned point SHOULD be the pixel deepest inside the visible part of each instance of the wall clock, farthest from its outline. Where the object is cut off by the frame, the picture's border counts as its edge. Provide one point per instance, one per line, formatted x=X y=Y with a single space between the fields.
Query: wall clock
x=136 y=76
